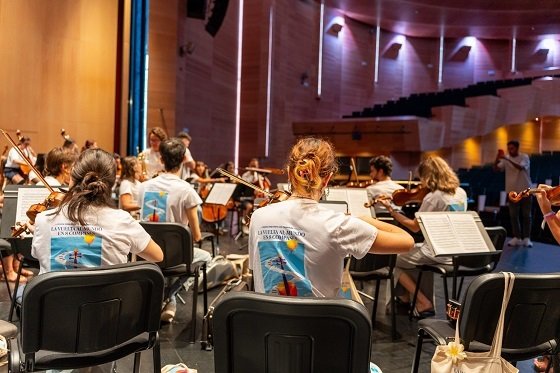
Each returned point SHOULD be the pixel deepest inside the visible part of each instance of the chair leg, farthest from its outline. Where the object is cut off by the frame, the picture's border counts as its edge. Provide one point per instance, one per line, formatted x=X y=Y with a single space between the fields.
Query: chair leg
x=14 y=297
x=445 y=290
x=204 y=289
x=157 y=356
x=194 y=305
x=375 y=302
x=394 y=333
x=416 y=290
x=136 y=368
x=416 y=361
x=460 y=288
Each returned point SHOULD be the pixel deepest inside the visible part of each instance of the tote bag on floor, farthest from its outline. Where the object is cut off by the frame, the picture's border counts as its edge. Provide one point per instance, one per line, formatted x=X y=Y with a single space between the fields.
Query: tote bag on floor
x=452 y=358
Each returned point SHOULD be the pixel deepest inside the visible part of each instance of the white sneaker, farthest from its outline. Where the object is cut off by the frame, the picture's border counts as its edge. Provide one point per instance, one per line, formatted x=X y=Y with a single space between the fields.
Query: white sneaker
x=515 y=242
x=527 y=242
x=169 y=311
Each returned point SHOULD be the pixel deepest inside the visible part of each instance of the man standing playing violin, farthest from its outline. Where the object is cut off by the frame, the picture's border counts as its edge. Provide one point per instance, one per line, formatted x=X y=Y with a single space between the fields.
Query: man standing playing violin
x=380 y=169
x=516 y=166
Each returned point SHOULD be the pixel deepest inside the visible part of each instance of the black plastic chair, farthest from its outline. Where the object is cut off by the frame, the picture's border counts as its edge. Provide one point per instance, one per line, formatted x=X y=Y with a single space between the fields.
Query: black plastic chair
x=465 y=265
x=266 y=333
x=176 y=243
x=374 y=267
x=85 y=317
x=532 y=318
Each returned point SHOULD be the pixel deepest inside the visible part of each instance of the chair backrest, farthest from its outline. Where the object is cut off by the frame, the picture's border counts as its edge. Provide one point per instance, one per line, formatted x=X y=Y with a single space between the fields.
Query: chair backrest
x=91 y=309
x=498 y=237
x=373 y=262
x=175 y=241
x=274 y=334
x=532 y=321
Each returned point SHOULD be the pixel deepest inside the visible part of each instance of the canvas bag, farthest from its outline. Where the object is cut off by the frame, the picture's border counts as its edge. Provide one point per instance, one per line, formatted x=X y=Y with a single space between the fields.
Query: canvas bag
x=477 y=362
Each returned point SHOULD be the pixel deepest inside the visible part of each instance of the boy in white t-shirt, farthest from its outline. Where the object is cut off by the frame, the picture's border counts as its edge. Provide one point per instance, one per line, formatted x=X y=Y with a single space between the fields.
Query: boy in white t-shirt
x=167 y=198
x=381 y=168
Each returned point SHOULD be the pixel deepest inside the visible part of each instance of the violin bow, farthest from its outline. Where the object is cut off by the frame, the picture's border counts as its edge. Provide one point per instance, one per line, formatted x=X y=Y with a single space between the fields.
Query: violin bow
x=241 y=181
x=11 y=141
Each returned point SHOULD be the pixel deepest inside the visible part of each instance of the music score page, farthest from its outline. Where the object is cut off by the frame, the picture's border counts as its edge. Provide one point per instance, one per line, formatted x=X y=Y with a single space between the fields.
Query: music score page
x=453 y=233
x=354 y=197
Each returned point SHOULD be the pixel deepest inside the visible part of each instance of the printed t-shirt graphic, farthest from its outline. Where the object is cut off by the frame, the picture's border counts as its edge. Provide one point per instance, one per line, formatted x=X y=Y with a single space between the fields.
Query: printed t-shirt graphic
x=155 y=206
x=75 y=246
x=282 y=261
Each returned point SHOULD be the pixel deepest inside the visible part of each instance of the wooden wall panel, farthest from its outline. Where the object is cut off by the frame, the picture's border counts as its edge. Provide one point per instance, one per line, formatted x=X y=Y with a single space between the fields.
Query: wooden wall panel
x=162 y=49
x=58 y=70
x=206 y=85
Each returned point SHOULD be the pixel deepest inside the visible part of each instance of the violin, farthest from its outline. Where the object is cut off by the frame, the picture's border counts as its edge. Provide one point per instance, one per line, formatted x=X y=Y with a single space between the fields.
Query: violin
x=269 y=198
x=53 y=200
x=553 y=195
x=401 y=197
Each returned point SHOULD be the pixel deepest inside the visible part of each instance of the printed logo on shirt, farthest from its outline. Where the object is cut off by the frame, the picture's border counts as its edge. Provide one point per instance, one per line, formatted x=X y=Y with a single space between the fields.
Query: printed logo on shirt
x=75 y=247
x=154 y=206
x=282 y=259
x=456 y=207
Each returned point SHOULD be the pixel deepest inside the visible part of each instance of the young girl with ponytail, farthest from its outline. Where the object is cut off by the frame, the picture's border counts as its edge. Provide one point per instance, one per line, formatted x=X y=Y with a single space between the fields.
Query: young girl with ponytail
x=297 y=247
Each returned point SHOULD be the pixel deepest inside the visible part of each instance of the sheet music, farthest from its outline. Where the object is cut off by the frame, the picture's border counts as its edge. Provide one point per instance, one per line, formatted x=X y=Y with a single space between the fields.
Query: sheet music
x=220 y=193
x=354 y=197
x=26 y=198
x=453 y=233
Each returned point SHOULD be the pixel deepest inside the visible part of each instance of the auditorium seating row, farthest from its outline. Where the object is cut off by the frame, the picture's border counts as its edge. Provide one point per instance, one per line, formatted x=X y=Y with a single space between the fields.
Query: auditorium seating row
x=421 y=104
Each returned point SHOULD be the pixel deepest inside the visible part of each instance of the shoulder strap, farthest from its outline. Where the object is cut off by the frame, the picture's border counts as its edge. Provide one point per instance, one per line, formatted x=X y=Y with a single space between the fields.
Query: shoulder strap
x=496 y=350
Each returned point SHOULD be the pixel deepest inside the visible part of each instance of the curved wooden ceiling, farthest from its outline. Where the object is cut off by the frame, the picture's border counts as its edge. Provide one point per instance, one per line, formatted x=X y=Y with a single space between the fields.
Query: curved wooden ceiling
x=489 y=19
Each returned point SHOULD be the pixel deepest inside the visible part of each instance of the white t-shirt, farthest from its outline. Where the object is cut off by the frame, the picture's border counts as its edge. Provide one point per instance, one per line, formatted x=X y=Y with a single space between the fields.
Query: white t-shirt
x=14 y=160
x=302 y=244
x=107 y=239
x=440 y=201
x=185 y=171
x=129 y=187
x=385 y=187
x=49 y=179
x=516 y=180
x=153 y=162
x=166 y=198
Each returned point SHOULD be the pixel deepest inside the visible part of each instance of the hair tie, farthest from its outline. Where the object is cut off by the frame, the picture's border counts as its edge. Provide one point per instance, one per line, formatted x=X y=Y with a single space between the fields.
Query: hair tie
x=303 y=173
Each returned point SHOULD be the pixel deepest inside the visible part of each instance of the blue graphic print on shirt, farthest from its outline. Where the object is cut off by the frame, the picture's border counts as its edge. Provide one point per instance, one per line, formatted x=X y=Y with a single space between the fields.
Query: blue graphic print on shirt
x=283 y=268
x=154 y=207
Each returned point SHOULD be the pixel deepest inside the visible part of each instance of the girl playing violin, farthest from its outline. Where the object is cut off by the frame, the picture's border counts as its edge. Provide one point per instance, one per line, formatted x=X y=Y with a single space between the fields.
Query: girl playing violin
x=297 y=247
x=444 y=195
x=86 y=230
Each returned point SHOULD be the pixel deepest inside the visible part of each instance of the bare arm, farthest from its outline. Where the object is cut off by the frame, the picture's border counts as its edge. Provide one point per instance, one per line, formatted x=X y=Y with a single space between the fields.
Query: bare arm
x=390 y=238
x=190 y=164
x=411 y=224
x=192 y=216
x=152 y=252
x=515 y=164
x=127 y=203
x=546 y=208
